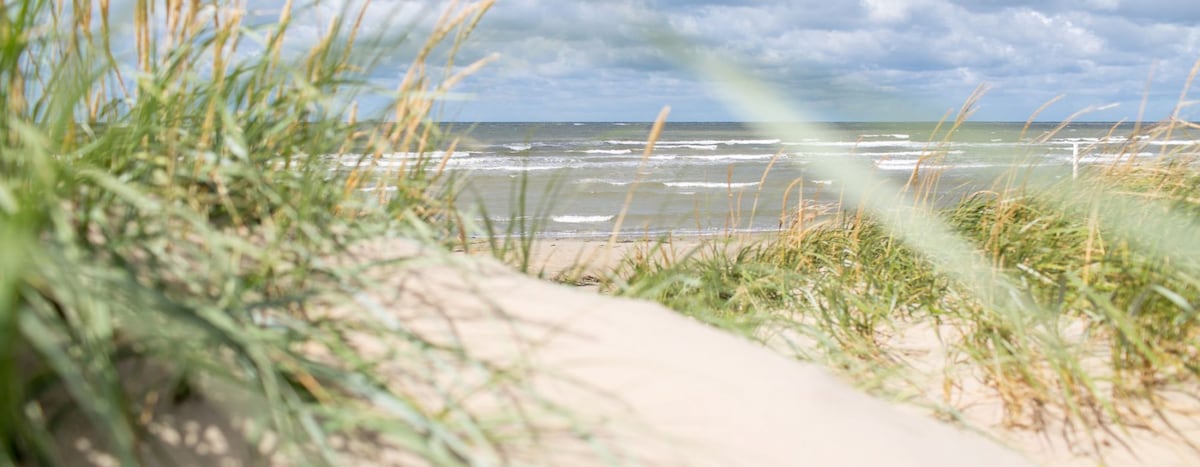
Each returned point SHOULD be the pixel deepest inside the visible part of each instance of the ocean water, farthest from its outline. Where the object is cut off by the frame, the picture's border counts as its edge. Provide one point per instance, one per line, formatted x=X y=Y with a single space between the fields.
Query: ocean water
x=709 y=177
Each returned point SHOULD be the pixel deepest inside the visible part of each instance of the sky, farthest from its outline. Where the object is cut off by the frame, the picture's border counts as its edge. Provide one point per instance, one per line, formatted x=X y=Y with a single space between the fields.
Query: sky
x=833 y=60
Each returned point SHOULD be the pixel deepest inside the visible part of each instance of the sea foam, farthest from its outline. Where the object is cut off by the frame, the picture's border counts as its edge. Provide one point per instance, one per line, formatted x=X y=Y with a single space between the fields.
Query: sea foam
x=709 y=184
x=701 y=142
x=606 y=182
x=707 y=147
x=910 y=164
x=581 y=219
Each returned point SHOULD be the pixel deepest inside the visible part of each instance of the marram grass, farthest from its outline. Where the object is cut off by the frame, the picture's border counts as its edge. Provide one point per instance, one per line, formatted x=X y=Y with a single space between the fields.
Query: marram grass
x=167 y=194
x=1101 y=275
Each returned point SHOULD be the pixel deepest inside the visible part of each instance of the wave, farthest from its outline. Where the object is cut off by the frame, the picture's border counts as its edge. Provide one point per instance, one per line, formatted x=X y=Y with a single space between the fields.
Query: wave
x=1110 y=139
x=901 y=164
x=711 y=157
x=910 y=164
x=731 y=157
x=518 y=147
x=899 y=146
x=1105 y=158
x=505 y=218
x=750 y=141
x=1174 y=142
x=1123 y=140
x=606 y=182
x=1083 y=142
x=879 y=153
x=709 y=184
x=609 y=151
x=517 y=168
x=896 y=135
x=379 y=164
x=709 y=147
x=581 y=219
x=702 y=142
x=426 y=155
x=860 y=144
x=620 y=159
x=353 y=159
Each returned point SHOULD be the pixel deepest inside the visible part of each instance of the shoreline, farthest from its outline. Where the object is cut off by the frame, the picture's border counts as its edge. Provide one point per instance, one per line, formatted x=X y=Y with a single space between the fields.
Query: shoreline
x=585 y=260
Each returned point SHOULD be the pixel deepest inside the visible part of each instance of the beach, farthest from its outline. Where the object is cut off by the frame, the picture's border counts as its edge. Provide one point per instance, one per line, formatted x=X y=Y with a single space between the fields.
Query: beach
x=646 y=385
x=643 y=384
x=925 y=350
x=272 y=236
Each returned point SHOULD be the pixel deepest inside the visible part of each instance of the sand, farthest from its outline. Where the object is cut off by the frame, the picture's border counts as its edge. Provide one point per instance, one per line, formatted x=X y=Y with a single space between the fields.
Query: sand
x=662 y=389
x=1168 y=435
x=640 y=384
x=610 y=381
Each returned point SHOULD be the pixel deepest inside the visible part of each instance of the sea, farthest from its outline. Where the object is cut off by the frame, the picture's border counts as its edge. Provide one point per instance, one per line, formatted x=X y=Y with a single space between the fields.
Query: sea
x=577 y=179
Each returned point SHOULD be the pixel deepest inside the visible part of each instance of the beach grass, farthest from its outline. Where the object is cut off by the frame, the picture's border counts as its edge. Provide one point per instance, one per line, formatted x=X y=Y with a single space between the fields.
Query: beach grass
x=1081 y=316
x=169 y=211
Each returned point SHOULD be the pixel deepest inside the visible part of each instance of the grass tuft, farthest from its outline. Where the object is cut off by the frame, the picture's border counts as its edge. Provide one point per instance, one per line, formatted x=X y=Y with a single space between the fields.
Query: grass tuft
x=1084 y=311
x=174 y=208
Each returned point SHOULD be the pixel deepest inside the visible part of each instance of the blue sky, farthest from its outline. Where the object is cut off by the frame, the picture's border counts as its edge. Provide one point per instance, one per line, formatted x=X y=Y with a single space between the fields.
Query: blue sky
x=578 y=60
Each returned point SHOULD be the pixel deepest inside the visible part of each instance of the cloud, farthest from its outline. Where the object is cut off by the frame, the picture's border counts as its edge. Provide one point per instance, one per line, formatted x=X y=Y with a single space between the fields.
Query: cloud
x=891 y=11
x=579 y=59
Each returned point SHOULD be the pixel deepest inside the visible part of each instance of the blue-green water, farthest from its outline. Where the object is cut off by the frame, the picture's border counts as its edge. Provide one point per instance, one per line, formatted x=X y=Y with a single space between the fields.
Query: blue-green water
x=706 y=177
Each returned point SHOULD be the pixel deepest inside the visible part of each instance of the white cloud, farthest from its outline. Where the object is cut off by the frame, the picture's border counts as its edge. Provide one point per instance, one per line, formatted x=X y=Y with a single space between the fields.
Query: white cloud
x=579 y=54
x=889 y=11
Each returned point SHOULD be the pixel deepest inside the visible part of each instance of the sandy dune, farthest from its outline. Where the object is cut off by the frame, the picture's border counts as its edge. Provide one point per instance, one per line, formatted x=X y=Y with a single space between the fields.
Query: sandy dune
x=666 y=390
x=645 y=385
x=1168 y=435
